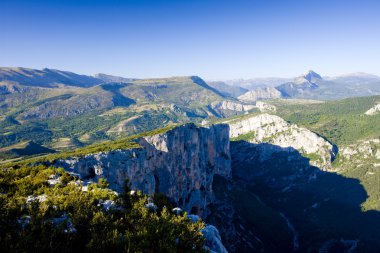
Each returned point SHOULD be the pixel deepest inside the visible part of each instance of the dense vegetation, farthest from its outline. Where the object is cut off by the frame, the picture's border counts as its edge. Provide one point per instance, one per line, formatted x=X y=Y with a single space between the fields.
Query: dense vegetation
x=341 y=122
x=44 y=209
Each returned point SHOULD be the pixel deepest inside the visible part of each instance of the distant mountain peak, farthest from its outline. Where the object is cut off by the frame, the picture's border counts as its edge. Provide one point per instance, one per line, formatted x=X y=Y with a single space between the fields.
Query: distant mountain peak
x=311 y=75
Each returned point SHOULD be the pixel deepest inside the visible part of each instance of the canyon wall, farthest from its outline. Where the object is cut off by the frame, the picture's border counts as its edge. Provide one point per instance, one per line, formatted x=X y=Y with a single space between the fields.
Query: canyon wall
x=180 y=163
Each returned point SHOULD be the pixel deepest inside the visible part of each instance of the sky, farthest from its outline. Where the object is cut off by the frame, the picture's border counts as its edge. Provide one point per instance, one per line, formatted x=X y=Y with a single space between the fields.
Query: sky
x=214 y=39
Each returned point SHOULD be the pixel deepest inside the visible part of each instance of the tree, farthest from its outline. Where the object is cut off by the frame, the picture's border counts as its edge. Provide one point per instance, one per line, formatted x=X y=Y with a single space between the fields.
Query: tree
x=103 y=183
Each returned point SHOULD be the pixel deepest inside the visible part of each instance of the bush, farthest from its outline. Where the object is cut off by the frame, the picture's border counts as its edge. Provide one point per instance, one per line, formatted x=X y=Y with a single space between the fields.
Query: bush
x=71 y=220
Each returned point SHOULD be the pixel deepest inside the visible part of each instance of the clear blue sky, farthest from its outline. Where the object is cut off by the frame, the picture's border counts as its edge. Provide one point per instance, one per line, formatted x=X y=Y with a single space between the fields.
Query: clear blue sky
x=210 y=38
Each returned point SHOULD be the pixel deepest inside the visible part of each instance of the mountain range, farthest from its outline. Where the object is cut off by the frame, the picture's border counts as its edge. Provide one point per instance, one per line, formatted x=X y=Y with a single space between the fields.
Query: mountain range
x=311 y=85
x=53 y=107
x=62 y=109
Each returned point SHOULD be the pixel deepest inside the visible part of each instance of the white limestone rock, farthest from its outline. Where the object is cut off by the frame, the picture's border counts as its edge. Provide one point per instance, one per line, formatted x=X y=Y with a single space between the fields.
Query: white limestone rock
x=54 y=180
x=374 y=110
x=264 y=107
x=232 y=106
x=362 y=150
x=40 y=198
x=260 y=94
x=107 y=205
x=275 y=130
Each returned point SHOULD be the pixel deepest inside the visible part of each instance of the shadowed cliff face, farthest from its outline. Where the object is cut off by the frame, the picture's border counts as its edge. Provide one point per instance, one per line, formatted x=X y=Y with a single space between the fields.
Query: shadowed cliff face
x=180 y=163
x=281 y=203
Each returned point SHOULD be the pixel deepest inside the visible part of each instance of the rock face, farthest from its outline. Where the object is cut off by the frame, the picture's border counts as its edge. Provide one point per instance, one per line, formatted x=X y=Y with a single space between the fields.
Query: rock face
x=374 y=110
x=232 y=106
x=213 y=241
x=260 y=94
x=275 y=130
x=180 y=163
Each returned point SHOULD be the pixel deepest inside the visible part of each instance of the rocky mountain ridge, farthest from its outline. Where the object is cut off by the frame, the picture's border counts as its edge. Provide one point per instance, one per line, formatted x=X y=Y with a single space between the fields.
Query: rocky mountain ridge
x=48 y=78
x=310 y=85
x=34 y=104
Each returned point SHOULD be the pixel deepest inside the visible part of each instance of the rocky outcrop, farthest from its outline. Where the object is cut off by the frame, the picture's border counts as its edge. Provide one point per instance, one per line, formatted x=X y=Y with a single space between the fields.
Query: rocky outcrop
x=362 y=150
x=264 y=107
x=275 y=130
x=260 y=94
x=180 y=163
x=213 y=241
x=232 y=106
x=374 y=110
x=6 y=89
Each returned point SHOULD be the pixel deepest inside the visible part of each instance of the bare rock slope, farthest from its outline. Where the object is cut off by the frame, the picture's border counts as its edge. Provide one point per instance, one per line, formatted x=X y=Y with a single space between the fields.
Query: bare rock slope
x=260 y=94
x=275 y=130
x=374 y=110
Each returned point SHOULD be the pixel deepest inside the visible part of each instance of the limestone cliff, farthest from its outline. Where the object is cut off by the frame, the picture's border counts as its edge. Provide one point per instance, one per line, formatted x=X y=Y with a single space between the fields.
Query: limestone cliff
x=180 y=163
x=276 y=131
x=260 y=94
x=374 y=110
x=229 y=105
